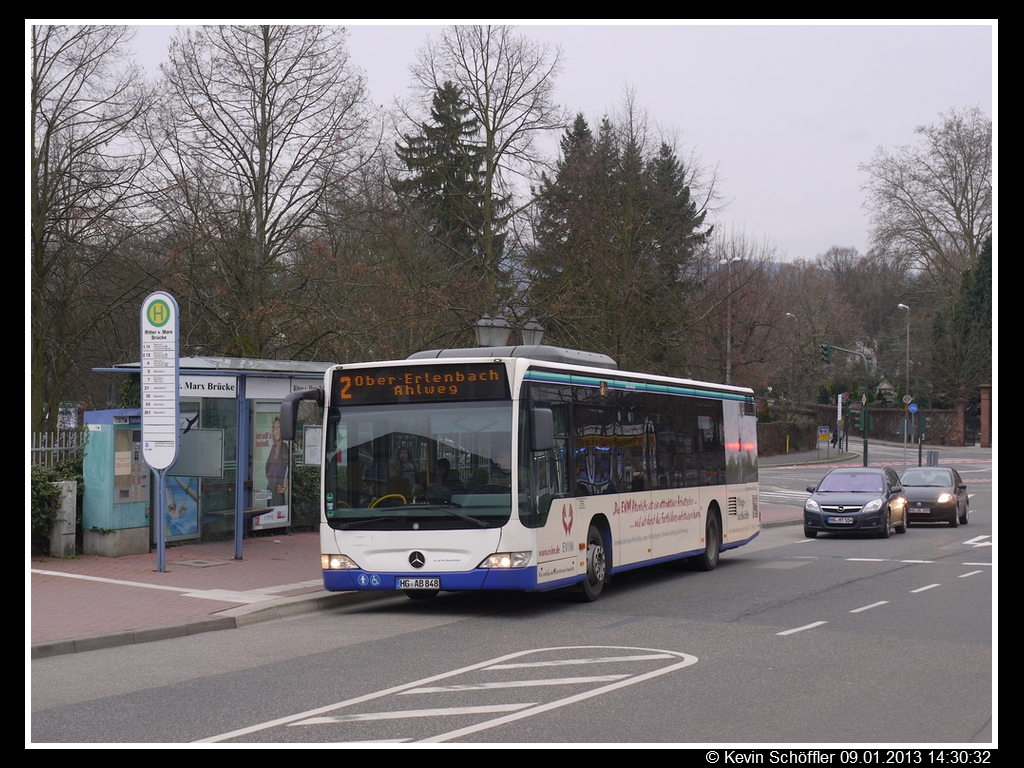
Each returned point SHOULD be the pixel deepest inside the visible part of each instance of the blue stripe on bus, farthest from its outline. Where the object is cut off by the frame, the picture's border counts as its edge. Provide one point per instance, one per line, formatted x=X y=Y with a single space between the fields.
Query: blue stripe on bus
x=521 y=579
x=735 y=544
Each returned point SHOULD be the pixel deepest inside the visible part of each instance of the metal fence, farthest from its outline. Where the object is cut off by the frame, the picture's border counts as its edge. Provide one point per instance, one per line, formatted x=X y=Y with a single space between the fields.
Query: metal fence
x=48 y=448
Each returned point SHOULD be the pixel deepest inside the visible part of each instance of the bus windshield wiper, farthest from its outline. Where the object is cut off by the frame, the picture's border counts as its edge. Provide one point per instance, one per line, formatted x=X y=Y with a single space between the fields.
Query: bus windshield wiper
x=447 y=507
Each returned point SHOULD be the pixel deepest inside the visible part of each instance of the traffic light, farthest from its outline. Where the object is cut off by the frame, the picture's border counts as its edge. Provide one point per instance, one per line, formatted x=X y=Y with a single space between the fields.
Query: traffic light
x=826 y=352
x=864 y=421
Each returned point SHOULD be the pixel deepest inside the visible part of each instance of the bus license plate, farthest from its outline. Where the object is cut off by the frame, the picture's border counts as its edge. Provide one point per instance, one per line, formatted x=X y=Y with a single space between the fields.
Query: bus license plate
x=417 y=583
x=840 y=521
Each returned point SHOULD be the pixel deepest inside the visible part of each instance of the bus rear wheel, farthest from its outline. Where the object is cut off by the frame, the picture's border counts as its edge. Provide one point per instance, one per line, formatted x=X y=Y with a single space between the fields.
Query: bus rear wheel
x=597 y=567
x=712 y=544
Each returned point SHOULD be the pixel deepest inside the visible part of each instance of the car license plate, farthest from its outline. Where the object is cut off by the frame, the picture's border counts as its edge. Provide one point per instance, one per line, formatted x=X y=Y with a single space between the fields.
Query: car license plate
x=840 y=521
x=417 y=583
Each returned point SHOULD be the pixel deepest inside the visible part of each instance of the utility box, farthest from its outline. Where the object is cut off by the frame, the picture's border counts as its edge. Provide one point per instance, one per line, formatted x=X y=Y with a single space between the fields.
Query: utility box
x=115 y=501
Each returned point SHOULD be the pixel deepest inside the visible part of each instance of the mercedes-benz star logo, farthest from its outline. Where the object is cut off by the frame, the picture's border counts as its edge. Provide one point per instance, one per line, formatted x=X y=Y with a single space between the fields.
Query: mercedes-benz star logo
x=417 y=560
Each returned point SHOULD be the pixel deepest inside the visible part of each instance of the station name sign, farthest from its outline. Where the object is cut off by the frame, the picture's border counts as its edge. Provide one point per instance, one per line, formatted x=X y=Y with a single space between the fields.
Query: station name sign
x=420 y=384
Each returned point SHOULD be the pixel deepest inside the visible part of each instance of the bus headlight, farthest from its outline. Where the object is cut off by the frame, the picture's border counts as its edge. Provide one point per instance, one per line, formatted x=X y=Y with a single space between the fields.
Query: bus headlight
x=507 y=560
x=337 y=563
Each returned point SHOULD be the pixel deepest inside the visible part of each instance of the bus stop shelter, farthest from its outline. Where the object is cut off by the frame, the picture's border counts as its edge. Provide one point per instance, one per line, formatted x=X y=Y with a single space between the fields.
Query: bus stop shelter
x=233 y=471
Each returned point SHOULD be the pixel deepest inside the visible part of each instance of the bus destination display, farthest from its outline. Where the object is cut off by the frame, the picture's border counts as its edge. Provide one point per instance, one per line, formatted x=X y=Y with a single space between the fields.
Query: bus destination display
x=420 y=384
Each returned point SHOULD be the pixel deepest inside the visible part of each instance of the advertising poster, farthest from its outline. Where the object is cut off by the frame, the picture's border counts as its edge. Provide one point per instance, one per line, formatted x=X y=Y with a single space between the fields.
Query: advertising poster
x=182 y=518
x=271 y=457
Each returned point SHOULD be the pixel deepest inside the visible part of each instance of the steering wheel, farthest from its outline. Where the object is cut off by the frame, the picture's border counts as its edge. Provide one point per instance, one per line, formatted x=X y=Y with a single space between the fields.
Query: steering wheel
x=376 y=502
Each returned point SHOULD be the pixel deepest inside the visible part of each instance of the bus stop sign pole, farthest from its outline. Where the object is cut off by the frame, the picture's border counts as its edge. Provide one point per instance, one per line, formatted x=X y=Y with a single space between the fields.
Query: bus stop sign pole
x=158 y=387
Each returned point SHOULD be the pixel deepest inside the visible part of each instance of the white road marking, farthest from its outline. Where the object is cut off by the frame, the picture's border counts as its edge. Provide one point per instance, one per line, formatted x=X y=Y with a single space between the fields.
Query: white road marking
x=866 y=560
x=567 y=662
x=516 y=684
x=801 y=629
x=641 y=654
x=223 y=595
x=924 y=589
x=869 y=607
x=110 y=581
x=969 y=573
x=688 y=660
x=412 y=713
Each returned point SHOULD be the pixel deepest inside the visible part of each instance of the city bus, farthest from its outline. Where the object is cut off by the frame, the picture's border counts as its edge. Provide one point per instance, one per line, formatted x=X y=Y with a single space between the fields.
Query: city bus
x=526 y=468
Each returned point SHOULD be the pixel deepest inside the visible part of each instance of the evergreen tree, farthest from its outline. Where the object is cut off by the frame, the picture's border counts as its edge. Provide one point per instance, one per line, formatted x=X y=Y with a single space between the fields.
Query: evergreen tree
x=614 y=233
x=445 y=191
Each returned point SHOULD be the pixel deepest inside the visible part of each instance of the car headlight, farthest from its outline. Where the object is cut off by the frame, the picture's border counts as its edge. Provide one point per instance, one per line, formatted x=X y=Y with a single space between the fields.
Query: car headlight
x=945 y=498
x=507 y=560
x=873 y=506
x=812 y=506
x=337 y=563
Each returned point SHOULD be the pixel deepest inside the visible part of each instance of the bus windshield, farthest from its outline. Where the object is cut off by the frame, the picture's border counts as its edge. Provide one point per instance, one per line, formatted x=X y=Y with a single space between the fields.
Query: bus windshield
x=430 y=466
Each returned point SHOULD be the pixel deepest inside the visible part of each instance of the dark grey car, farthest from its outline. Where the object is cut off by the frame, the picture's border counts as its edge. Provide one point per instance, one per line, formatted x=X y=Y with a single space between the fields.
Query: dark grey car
x=936 y=494
x=856 y=500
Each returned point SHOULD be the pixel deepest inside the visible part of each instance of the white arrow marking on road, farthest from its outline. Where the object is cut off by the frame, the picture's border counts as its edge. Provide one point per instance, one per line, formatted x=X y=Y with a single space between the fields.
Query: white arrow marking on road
x=977 y=541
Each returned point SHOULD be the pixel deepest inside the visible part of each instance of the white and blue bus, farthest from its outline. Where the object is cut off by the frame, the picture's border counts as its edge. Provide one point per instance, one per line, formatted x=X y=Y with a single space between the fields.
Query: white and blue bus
x=525 y=468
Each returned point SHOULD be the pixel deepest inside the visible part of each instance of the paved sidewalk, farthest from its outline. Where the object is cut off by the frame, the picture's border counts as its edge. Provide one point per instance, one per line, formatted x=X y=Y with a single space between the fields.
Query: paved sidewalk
x=92 y=602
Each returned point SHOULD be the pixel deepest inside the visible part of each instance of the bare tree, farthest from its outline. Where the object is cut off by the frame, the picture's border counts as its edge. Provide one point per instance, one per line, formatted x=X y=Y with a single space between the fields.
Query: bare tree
x=257 y=124
x=507 y=82
x=86 y=100
x=933 y=203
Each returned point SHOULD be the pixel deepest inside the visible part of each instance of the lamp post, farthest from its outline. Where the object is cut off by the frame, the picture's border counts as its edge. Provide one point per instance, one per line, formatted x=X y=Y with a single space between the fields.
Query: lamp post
x=906 y=391
x=904 y=306
x=727 y=263
x=792 y=370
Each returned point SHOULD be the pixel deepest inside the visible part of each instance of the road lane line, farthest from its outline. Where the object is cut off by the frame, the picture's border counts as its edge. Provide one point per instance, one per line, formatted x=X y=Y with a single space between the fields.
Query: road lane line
x=924 y=589
x=869 y=607
x=970 y=573
x=801 y=629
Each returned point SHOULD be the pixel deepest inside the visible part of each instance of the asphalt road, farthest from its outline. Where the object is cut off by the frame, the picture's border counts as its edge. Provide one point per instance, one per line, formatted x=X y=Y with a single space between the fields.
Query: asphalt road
x=790 y=641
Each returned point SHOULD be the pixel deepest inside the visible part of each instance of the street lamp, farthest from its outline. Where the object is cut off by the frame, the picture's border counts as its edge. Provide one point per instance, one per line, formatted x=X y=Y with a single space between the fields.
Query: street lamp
x=492 y=333
x=495 y=332
x=532 y=333
x=727 y=263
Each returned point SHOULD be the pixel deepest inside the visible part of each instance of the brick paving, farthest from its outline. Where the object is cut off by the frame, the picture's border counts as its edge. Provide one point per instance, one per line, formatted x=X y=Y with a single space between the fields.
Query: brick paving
x=65 y=608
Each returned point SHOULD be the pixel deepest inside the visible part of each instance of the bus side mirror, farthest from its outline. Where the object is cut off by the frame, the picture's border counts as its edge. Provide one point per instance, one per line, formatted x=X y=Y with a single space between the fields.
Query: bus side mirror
x=290 y=410
x=542 y=429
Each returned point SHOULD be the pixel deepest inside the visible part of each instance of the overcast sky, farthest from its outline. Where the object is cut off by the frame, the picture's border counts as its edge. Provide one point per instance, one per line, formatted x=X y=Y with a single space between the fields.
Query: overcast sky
x=785 y=112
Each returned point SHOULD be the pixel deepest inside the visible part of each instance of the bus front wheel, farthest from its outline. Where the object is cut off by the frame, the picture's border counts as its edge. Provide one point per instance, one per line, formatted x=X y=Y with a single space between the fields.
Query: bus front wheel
x=597 y=566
